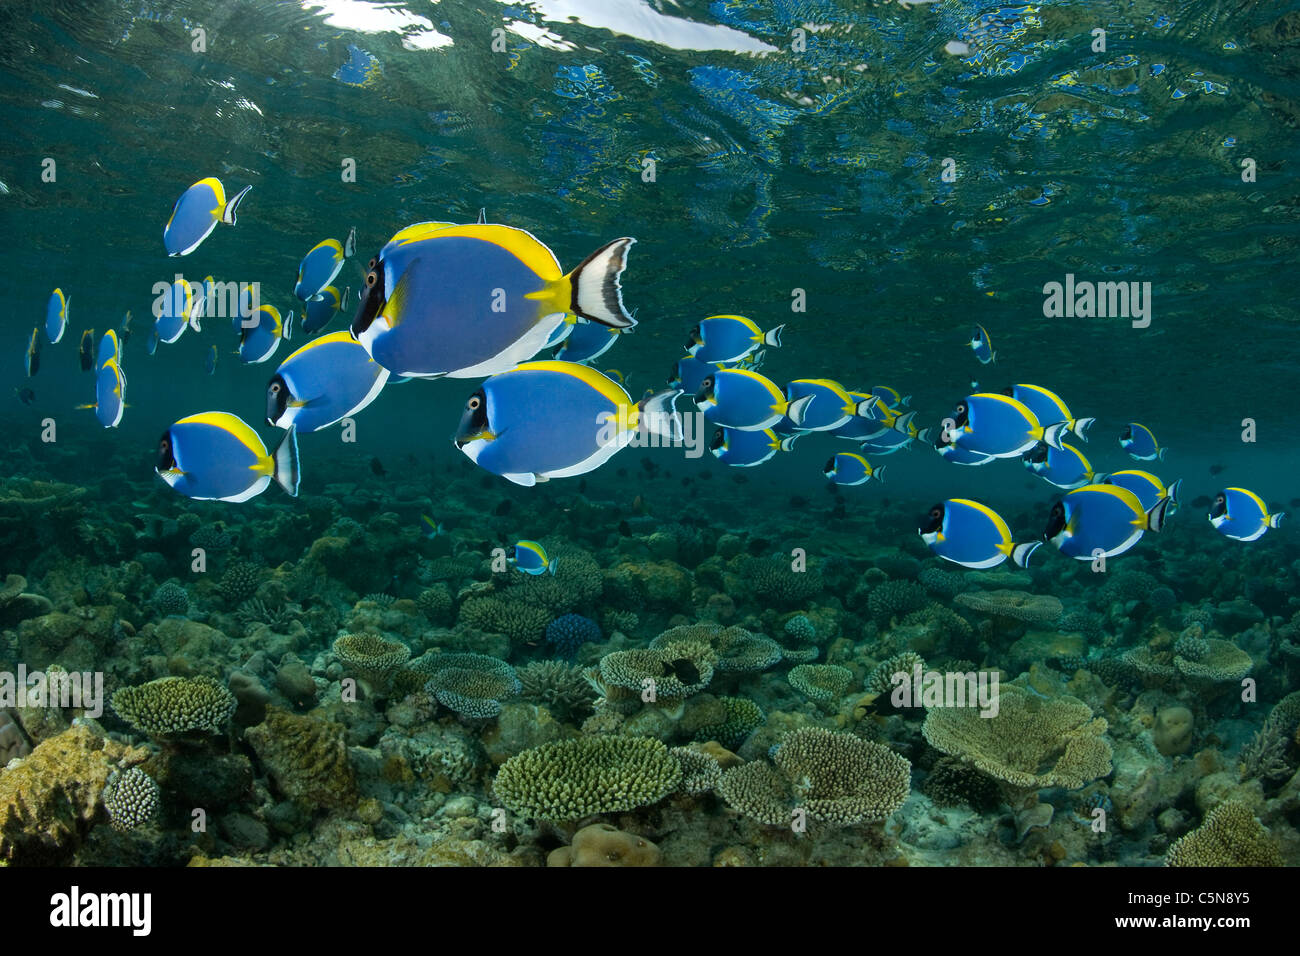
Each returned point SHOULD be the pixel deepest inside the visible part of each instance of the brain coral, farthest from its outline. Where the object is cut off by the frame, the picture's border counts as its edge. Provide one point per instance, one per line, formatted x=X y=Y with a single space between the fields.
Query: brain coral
x=820 y=682
x=836 y=778
x=736 y=650
x=473 y=685
x=1032 y=743
x=131 y=798
x=599 y=774
x=175 y=705
x=1229 y=836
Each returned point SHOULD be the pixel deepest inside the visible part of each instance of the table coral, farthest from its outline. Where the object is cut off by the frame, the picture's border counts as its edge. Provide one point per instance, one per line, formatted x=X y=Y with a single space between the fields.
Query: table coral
x=473 y=685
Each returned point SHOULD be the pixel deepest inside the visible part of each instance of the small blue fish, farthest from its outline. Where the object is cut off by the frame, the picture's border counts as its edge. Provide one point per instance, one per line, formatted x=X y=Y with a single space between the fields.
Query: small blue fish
x=745 y=449
x=846 y=468
x=1000 y=426
x=973 y=535
x=937 y=438
x=688 y=373
x=530 y=558
x=110 y=394
x=982 y=346
x=33 y=355
x=172 y=311
x=729 y=338
x=1140 y=443
x=1101 y=520
x=210 y=360
x=588 y=341
x=1148 y=488
x=318 y=269
x=328 y=379
x=889 y=440
x=110 y=347
x=56 y=316
x=197 y=213
x=832 y=407
x=216 y=456
x=1048 y=407
x=555 y=420
x=738 y=398
x=432 y=528
x=1241 y=514
x=1064 y=467
x=320 y=311
x=891 y=397
x=258 y=342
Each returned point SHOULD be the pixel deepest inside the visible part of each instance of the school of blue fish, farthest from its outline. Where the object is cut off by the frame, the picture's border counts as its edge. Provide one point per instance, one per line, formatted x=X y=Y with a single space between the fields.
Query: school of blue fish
x=484 y=300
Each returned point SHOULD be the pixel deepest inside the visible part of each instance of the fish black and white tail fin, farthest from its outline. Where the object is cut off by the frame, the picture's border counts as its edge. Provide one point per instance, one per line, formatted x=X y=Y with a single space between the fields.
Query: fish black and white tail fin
x=787 y=443
x=905 y=401
x=482 y=217
x=596 y=295
x=1161 y=454
x=904 y=423
x=773 y=337
x=865 y=408
x=1052 y=434
x=1099 y=479
x=1021 y=553
x=658 y=415
x=1081 y=426
x=228 y=214
x=286 y=462
x=1275 y=520
x=1173 y=490
x=797 y=410
x=1156 y=516
x=926 y=435
x=552 y=566
x=350 y=244
x=879 y=474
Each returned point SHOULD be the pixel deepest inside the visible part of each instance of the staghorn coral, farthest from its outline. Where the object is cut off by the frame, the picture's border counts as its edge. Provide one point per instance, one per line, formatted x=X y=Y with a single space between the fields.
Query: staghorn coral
x=881 y=679
x=835 y=778
x=558 y=685
x=131 y=798
x=700 y=772
x=1037 y=609
x=892 y=599
x=255 y=612
x=614 y=619
x=379 y=599
x=372 y=658
x=1032 y=743
x=175 y=705
x=1228 y=836
x=171 y=598
x=570 y=631
x=821 y=683
x=307 y=758
x=576 y=584
x=239 y=582
x=473 y=685
x=736 y=650
x=598 y=774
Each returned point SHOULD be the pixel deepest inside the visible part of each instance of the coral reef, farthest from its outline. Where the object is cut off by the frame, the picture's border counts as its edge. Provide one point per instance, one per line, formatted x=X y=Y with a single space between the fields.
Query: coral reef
x=1228 y=836
x=175 y=705
x=131 y=798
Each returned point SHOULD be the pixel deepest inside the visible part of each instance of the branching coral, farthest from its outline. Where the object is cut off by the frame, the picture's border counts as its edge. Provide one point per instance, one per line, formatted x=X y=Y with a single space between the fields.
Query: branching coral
x=175 y=705
x=1229 y=836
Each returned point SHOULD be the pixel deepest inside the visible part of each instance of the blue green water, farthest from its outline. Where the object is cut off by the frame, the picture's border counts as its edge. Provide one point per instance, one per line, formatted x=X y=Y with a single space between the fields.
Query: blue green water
x=795 y=146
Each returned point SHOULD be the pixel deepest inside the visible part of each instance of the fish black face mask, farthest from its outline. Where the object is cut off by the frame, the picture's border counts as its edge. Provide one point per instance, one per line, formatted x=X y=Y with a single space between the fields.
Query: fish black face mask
x=1220 y=507
x=277 y=399
x=933 y=520
x=166 y=458
x=1055 y=521
x=719 y=439
x=474 y=420
x=372 y=300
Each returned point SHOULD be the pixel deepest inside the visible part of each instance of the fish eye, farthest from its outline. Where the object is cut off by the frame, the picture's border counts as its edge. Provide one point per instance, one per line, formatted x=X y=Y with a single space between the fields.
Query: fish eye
x=371 y=278
x=473 y=402
x=936 y=513
x=1219 y=500
x=708 y=382
x=275 y=387
x=961 y=408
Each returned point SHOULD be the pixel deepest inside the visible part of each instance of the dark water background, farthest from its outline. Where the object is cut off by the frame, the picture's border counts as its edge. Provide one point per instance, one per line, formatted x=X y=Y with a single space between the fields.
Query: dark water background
x=776 y=170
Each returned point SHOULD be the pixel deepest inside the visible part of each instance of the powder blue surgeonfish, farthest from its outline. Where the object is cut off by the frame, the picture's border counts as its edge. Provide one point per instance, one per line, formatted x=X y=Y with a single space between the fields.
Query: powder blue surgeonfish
x=1241 y=514
x=1101 y=521
x=1064 y=467
x=217 y=456
x=738 y=398
x=56 y=316
x=745 y=449
x=982 y=346
x=1148 y=488
x=172 y=311
x=729 y=338
x=258 y=342
x=588 y=341
x=832 y=406
x=197 y=213
x=846 y=468
x=1140 y=443
x=972 y=534
x=467 y=301
x=1048 y=407
x=110 y=394
x=531 y=558
x=557 y=419
x=320 y=311
x=110 y=347
x=688 y=373
x=1000 y=426
x=326 y=380
x=938 y=439
x=318 y=269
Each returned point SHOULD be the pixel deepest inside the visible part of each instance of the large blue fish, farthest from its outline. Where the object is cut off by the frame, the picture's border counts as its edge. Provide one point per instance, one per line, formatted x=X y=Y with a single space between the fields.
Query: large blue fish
x=468 y=301
x=1140 y=443
x=1000 y=426
x=556 y=419
x=197 y=213
x=729 y=338
x=588 y=341
x=745 y=449
x=1148 y=488
x=1064 y=467
x=326 y=380
x=258 y=342
x=1048 y=407
x=110 y=394
x=832 y=407
x=56 y=316
x=846 y=468
x=1101 y=520
x=320 y=311
x=217 y=456
x=318 y=269
x=738 y=398
x=531 y=558
x=1241 y=514
x=972 y=534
